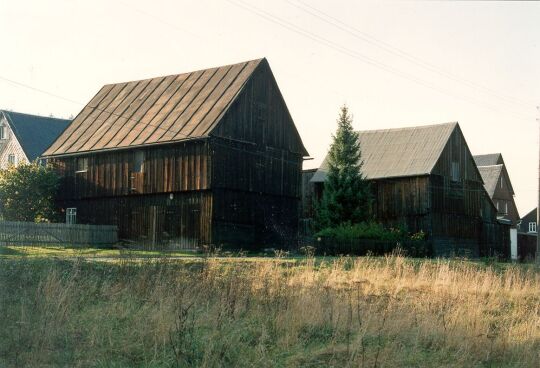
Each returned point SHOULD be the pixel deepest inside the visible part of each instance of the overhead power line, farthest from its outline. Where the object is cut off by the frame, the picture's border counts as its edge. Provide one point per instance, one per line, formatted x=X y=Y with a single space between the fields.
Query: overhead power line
x=363 y=58
x=355 y=32
x=40 y=90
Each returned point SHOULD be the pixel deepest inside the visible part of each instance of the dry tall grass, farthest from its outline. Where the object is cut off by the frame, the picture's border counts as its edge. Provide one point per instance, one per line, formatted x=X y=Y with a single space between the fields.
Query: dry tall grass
x=361 y=312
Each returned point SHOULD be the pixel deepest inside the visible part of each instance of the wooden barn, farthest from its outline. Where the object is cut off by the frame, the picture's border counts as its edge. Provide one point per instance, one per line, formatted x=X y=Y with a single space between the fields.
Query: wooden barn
x=498 y=185
x=499 y=188
x=425 y=178
x=210 y=157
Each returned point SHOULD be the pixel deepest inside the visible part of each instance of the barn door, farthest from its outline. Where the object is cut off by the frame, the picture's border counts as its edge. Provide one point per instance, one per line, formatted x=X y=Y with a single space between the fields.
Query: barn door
x=156 y=222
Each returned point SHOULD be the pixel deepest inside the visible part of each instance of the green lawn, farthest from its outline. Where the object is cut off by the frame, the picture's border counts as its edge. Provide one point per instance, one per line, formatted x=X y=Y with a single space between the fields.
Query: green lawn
x=68 y=252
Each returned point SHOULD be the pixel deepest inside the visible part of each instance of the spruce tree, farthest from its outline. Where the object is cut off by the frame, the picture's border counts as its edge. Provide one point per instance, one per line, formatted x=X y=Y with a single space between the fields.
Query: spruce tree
x=347 y=195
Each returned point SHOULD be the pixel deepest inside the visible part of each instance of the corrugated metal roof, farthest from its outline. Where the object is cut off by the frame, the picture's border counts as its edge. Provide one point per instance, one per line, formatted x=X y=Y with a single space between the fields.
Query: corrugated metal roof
x=157 y=110
x=34 y=133
x=490 y=176
x=399 y=152
x=488 y=159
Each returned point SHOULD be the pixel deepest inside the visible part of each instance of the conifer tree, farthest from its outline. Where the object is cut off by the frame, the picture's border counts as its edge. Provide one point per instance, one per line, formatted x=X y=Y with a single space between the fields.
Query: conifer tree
x=347 y=195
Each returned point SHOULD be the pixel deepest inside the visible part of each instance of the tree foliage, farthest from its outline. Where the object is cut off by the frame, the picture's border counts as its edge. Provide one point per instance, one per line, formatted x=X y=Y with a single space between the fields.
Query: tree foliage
x=347 y=195
x=27 y=192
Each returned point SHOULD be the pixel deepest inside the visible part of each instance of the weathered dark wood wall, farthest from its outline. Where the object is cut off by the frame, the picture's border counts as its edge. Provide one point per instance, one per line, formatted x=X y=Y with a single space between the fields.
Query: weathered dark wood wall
x=503 y=198
x=464 y=221
x=240 y=186
x=308 y=194
x=257 y=159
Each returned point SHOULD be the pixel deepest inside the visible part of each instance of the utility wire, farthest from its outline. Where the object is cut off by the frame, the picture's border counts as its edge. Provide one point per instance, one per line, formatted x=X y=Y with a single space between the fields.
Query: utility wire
x=145 y=124
x=40 y=90
x=256 y=153
x=365 y=59
x=355 y=32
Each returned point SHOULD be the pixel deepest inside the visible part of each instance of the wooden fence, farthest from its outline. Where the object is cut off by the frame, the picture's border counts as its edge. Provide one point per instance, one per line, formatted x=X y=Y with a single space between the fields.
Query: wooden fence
x=30 y=233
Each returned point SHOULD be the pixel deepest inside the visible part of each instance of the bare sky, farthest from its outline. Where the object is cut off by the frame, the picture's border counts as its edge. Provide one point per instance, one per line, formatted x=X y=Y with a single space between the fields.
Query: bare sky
x=395 y=64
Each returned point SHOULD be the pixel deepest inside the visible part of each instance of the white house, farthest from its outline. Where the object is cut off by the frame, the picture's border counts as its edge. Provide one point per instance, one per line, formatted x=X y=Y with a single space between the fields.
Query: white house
x=24 y=137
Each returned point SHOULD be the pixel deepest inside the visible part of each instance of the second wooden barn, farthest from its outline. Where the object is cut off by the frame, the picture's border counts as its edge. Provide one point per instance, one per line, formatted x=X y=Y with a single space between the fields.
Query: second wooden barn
x=208 y=157
x=425 y=179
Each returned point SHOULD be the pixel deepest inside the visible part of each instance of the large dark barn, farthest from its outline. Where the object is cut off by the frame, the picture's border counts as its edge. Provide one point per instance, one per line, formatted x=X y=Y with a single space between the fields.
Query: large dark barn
x=208 y=157
x=425 y=179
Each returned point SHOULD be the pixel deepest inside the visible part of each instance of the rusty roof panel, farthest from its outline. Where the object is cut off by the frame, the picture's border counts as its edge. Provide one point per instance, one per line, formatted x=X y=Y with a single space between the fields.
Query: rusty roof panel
x=137 y=109
x=158 y=110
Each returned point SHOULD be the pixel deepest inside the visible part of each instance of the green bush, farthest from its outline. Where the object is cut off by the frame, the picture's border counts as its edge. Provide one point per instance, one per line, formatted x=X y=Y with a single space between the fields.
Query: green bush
x=27 y=193
x=364 y=230
x=370 y=237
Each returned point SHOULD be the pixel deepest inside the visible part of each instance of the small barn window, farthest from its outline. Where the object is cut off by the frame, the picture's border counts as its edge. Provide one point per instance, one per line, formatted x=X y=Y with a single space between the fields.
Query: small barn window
x=82 y=164
x=455 y=171
x=71 y=215
x=12 y=160
x=138 y=162
x=2 y=131
x=532 y=227
x=501 y=182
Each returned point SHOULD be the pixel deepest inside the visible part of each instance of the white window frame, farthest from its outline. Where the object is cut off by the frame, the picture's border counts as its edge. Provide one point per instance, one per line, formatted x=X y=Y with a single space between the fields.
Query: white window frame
x=532 y=227
x=71 y=215
x=12 y=159
x=3 y=134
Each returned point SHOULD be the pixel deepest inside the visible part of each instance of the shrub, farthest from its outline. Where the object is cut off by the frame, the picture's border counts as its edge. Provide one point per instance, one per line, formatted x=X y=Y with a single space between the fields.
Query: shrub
x=370 y=237
x=27 y=192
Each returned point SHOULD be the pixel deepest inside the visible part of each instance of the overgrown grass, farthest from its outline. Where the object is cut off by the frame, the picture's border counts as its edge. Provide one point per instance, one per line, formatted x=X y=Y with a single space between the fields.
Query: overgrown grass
x=367 y=312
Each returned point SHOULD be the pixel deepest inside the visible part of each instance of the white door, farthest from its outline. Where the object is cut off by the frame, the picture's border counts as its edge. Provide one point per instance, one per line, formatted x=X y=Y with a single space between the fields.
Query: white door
x=513 y=244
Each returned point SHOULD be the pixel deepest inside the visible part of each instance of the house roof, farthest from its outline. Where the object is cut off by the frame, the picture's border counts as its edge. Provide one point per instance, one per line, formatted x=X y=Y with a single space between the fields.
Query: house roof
x=490 y=176
x=154 y=111
x=488 y=159
x=400 y=152
x=34 y=133
x=487 y=167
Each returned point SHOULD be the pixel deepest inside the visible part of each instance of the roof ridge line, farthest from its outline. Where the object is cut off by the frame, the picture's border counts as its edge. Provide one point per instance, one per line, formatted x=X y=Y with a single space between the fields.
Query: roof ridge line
x=189 y=72
x=454 y=123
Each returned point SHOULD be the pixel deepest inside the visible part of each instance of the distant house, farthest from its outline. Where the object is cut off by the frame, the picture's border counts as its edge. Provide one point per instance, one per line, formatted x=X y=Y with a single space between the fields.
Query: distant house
x=24 y=137
x=499 y=188
x=209 y=157
x=425 y=178
x=527 y=235
x=498 y=185
x=527 y=224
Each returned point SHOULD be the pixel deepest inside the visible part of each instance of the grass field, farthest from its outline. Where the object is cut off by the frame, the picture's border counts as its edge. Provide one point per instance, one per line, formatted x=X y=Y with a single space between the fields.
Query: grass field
x=66 y=308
